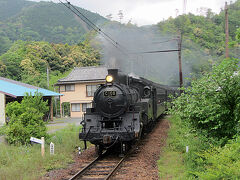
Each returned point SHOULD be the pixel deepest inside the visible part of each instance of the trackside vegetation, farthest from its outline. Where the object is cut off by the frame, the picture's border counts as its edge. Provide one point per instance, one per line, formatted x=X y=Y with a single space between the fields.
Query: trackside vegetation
x=20 y=159
x=26 y=119
x=206 y=119
x=26 y=162
x=212 y=103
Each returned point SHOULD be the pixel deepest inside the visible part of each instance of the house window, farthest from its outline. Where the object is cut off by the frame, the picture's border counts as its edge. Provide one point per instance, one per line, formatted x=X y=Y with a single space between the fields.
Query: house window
x=85 y=106
x=75 y=107
x=70 y=87
x=91 y=89
x=67 y=87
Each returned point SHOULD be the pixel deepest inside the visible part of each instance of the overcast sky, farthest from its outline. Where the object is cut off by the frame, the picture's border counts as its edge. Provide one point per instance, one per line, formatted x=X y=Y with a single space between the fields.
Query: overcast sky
x=145 y=12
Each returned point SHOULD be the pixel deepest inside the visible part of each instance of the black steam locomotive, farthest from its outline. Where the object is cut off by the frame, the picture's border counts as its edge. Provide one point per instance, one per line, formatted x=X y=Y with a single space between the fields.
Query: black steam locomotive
x=123 y=108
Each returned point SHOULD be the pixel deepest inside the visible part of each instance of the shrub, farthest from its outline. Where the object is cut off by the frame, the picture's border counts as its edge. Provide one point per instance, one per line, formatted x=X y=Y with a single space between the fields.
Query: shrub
x=26 y=119
x=212 y=104
x=221 y=163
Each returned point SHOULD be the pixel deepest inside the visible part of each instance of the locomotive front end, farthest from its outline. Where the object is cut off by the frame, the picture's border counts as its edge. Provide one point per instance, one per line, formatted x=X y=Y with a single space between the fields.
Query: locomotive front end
x=113 y=119
x=111 y=101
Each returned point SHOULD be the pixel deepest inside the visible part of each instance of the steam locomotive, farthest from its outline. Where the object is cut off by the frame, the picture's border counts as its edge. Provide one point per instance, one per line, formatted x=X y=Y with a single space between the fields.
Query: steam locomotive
x=123 y=109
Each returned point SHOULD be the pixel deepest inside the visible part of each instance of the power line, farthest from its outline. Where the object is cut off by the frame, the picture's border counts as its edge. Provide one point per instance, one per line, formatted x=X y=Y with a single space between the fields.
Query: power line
x=105 y=35
x=93 y=26
x=160 y=51
x=98 y=29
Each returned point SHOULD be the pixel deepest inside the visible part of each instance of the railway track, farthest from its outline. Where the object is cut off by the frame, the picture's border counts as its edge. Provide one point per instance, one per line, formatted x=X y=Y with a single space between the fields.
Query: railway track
x=101 y=168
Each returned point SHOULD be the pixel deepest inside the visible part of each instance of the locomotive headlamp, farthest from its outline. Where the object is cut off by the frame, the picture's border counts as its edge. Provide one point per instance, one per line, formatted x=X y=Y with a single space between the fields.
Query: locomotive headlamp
x=109 y=78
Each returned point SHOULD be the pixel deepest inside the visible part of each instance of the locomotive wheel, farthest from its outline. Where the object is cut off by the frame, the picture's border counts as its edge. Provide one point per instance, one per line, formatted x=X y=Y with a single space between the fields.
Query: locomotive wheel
x=98 y=150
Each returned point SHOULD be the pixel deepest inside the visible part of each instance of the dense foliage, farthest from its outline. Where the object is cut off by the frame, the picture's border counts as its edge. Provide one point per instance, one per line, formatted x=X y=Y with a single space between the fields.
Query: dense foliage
x=26 y=119
x=43 y=21
x=204 y=159
x=28 y=61
x=212 y=104
x=221 y=163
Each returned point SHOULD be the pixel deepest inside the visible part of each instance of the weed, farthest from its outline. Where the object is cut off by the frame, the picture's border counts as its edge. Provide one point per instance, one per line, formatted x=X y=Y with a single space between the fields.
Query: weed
x=26 y=162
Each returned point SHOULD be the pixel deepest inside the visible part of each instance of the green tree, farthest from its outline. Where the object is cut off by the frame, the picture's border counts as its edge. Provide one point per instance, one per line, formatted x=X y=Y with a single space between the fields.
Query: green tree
x=28 y=61
x=26 y=119
x=212 y=104
x=5 y=44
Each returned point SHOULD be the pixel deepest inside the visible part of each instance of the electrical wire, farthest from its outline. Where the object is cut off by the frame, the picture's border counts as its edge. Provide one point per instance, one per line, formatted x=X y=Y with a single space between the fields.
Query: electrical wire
x=107 y=37
x=94 y=27
x=151 y=52
x=97 y=28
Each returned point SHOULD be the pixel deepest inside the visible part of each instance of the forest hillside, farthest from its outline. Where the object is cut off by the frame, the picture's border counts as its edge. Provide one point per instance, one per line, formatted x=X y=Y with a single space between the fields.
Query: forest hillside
x=41 y=21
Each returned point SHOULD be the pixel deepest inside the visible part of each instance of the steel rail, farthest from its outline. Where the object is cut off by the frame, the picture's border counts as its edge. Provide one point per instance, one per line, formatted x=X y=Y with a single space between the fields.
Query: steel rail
x=115 y=168
x=82 y=171
x=91 y=164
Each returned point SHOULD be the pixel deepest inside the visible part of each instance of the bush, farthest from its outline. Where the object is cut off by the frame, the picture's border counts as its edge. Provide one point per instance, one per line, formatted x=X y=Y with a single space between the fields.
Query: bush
x=26 y=119
x=221 y=163
x=212 y=104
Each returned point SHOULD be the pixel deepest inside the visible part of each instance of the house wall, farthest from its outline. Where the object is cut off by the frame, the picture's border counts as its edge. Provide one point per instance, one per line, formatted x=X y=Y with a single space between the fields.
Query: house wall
x=79 y=95
x=2 y=109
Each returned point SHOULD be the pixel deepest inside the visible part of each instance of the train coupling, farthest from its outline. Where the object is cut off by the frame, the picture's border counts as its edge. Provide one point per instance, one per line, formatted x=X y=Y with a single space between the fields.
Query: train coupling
x=107 y=139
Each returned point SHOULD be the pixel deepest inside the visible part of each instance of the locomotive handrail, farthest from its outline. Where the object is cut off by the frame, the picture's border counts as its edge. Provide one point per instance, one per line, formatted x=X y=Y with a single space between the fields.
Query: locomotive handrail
x=87 y=132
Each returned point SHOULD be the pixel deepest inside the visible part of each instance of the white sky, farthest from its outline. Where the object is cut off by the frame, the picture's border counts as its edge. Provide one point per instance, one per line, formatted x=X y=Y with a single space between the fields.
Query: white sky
x=145 y=12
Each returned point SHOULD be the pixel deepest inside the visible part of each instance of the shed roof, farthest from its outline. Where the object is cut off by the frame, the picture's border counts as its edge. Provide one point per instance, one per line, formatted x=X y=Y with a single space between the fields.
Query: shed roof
x=16 y=88
x=92 y=73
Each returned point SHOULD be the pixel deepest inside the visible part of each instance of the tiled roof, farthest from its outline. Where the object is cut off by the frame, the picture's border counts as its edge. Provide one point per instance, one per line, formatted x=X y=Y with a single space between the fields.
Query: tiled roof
x=91 y=73
x=16 y=88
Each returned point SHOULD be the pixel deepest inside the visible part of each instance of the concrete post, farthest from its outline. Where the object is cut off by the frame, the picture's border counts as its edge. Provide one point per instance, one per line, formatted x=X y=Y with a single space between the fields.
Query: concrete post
x=2 y=109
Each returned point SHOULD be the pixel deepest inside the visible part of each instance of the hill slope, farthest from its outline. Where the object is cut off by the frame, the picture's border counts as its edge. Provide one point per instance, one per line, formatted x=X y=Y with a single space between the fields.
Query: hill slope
x=48 y=21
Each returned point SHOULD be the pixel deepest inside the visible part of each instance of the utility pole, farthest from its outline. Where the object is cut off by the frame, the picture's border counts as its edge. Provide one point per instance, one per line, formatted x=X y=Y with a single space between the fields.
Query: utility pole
x=179 y=40
x=184 y=6
x=226 y=30
x=177 y=11
x=47 y=76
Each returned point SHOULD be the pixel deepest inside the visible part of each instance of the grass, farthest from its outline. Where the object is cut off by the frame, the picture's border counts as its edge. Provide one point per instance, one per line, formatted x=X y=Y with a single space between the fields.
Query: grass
x=26 y=162
x=171 y=164
x=54 y=128
x=174 y=162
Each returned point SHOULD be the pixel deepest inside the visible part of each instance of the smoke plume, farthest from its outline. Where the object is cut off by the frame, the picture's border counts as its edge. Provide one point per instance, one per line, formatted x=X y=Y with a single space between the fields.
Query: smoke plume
x=130 y=55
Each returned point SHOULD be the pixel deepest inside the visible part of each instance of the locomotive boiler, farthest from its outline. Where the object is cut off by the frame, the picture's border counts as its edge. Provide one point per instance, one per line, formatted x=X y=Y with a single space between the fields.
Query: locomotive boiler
x=122 y=109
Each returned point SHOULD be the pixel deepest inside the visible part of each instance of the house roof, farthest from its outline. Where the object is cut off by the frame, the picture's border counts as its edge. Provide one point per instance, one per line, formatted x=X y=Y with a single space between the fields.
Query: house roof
x=85 y=74
x=16 y=88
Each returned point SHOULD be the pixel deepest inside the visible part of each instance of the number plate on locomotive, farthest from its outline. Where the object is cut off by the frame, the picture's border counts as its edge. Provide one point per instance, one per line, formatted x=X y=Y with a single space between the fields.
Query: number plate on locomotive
x=110 y=93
